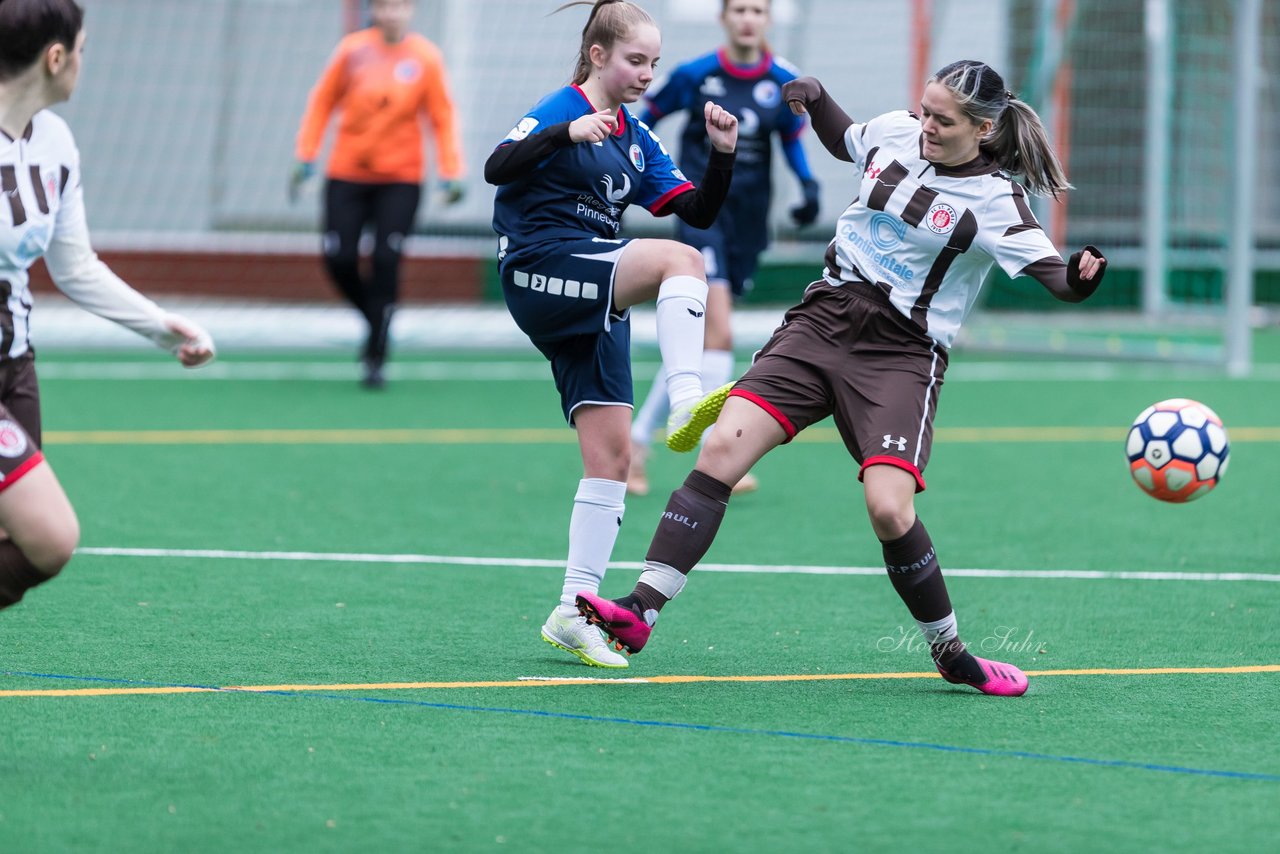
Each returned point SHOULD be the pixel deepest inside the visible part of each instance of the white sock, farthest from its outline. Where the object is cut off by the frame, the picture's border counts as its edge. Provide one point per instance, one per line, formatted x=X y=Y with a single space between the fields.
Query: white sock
x=940 y=631
x=717 y=369
x=681 y=316
x=653 y=410
x=593 y=529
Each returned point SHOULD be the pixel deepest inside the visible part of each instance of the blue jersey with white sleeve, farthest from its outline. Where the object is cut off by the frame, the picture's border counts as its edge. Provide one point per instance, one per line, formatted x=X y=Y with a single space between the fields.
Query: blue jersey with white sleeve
x=580 y=192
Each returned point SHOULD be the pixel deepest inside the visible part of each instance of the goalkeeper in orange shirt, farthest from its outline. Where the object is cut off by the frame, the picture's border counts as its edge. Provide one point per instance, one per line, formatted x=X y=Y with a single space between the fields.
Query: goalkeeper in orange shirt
x=383 y=81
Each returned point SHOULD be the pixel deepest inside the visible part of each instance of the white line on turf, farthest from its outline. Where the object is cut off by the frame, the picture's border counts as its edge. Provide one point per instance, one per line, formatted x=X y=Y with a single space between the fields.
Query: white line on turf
x=580 y=679
x=764 y=569
x=536 y=371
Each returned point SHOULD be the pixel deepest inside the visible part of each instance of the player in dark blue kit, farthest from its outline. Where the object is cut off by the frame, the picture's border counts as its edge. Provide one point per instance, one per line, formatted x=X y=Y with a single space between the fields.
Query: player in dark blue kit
x=565 y=173
x=745 y=78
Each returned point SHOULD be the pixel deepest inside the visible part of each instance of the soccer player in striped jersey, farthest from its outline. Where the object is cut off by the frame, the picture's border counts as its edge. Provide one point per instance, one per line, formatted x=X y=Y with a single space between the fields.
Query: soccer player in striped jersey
x=565 y=174
x=384 y=81
x=42 y=214
x=936 y=207
x=745 y=78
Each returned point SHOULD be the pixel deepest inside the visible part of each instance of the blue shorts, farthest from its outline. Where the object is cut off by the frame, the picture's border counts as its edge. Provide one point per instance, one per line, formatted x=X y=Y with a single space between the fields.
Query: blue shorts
x=561 y=296
x=729 y=260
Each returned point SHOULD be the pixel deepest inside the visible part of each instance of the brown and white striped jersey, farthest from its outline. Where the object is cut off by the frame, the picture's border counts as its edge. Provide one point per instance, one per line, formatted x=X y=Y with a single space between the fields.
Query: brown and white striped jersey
x=39 y=173
x=927 y=234
x=42 y=214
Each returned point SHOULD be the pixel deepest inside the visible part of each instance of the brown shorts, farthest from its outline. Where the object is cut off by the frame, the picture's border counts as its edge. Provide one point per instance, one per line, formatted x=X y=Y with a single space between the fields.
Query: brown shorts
x=846 y=352
x=19 y=419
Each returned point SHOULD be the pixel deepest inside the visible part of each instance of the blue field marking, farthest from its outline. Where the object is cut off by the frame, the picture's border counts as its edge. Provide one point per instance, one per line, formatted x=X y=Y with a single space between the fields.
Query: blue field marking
x=691 y=727
x=839 y=739
x=109 y=680
x=142 y=683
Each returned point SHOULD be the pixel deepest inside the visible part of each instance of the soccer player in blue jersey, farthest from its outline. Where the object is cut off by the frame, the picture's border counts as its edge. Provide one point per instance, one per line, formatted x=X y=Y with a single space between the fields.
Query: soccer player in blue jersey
x=935 y=209
x=747 y=79
x=565 y=173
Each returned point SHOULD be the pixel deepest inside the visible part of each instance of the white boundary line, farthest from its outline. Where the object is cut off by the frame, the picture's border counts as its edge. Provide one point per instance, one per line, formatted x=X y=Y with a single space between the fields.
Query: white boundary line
x=763 y=569
x=965 y=370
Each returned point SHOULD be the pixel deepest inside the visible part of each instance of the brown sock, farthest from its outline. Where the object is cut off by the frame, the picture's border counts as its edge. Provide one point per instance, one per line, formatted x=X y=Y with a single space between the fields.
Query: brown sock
x=913 y=568
x=685 y=532
x=959 y=662
x=17 y=574
x=643 y=598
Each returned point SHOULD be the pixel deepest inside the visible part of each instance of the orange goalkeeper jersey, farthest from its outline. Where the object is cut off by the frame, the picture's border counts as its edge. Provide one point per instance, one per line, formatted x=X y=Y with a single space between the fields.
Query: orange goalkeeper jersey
x=382 y=92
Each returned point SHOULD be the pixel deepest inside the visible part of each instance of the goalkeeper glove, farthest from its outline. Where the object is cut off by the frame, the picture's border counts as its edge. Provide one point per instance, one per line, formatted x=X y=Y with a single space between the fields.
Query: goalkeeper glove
x=451 y=192
x=806 y=212
x=303 y=171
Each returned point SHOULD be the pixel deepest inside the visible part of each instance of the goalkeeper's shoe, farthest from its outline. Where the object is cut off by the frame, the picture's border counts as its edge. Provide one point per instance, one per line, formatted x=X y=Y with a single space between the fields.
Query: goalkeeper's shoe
x=625 y=627
x=571 y=633
x=990 y=677
x=688 y=421
x=373 y=376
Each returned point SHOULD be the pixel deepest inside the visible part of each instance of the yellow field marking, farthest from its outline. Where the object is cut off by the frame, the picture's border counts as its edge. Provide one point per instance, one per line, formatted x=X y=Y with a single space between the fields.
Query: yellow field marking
x=561 y=436
x=1158 y=671
x=310 y=437
x=552 y=681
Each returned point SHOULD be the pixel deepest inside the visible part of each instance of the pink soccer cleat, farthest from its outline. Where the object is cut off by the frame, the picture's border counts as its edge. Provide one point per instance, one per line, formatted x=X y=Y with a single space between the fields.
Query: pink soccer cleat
x=626 y=628
x=1003 y=680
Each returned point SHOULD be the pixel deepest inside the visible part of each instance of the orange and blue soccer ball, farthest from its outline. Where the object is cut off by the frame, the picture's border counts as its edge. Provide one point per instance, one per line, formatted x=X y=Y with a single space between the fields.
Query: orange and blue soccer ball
x=1177 y=450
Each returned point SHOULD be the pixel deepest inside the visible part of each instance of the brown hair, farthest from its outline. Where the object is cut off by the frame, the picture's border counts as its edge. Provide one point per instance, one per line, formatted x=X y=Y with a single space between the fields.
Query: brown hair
x=1018 y=141
x=27 y=27
x=610 y=21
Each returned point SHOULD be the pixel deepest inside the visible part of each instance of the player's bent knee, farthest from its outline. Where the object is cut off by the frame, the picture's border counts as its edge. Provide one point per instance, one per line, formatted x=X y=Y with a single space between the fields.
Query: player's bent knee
x=57 y=556
x=54 y=551
x=890 y=517
x=684 y=260
x=721 y=458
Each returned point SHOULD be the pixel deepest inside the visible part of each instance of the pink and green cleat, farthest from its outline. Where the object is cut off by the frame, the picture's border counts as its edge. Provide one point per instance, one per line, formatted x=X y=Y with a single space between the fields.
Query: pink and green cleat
x=687 y=424
x=1002 y=680
x=627 y=629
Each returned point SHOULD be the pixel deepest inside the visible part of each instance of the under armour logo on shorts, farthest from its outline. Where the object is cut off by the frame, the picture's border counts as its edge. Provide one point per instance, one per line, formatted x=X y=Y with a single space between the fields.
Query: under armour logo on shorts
x=901 y=442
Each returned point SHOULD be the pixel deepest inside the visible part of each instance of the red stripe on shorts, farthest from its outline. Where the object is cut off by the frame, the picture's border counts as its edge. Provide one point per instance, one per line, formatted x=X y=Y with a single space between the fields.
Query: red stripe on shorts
x=894 y=461
x=783 y=421
x=17 y=473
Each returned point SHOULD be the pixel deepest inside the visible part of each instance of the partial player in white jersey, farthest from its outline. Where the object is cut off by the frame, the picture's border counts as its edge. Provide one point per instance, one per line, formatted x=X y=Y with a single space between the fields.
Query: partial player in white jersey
x=42 y=214
x=936 y=208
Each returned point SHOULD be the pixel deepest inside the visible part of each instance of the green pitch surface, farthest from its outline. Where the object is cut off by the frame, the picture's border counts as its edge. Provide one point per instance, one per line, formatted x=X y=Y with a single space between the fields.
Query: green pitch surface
x=305 y=618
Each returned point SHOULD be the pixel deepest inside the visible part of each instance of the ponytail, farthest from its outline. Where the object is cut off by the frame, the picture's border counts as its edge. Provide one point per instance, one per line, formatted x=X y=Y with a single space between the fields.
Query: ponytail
x=1020 y=144
x=1018 y=141
x=610 y=21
